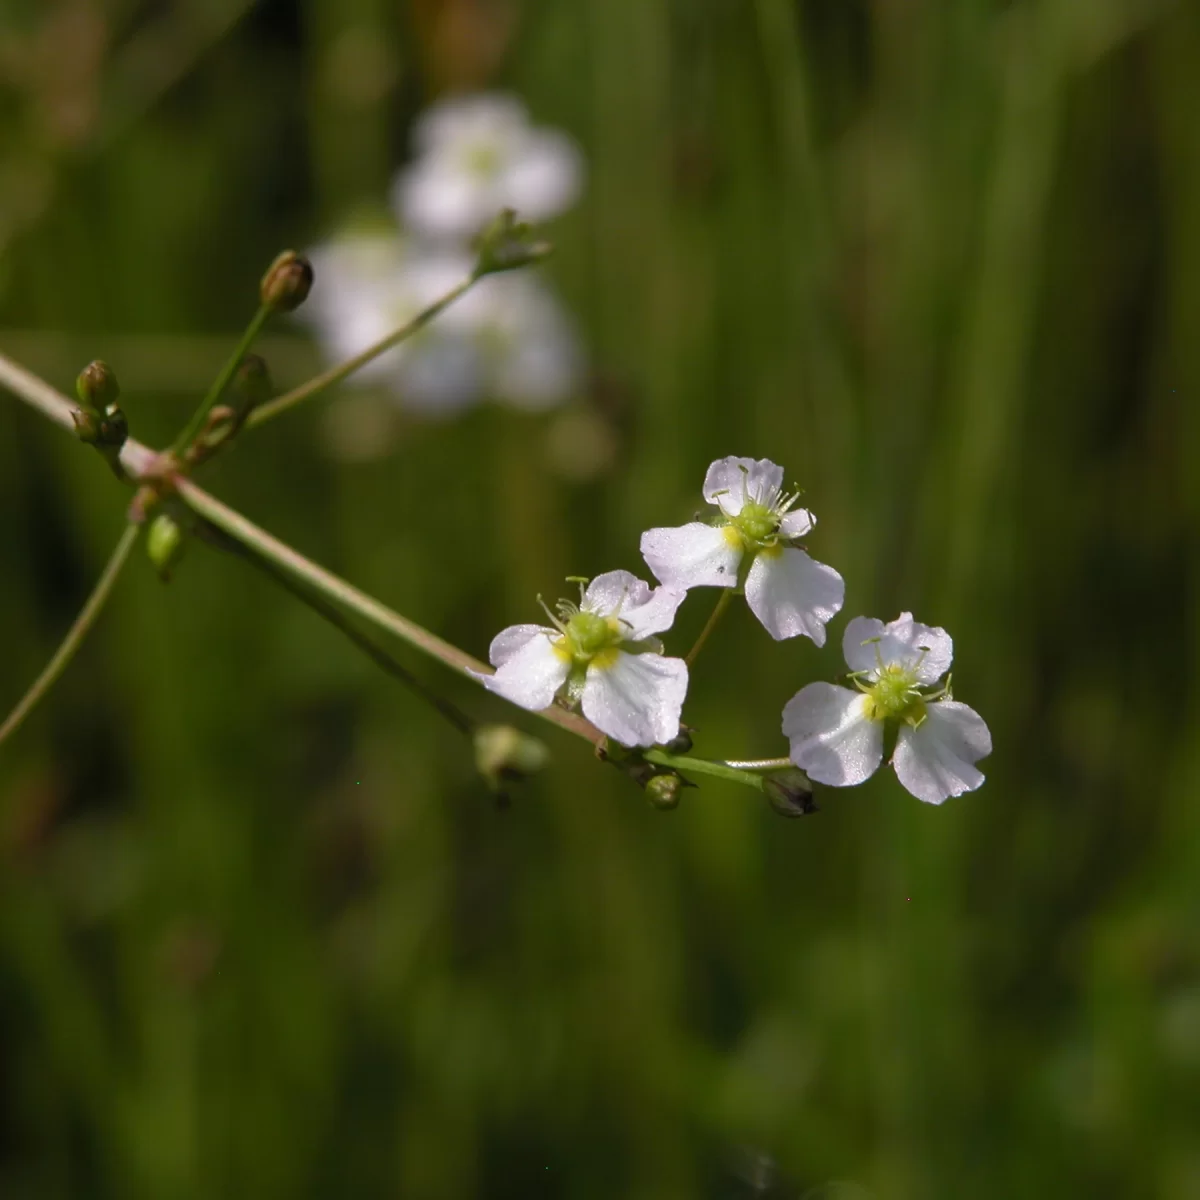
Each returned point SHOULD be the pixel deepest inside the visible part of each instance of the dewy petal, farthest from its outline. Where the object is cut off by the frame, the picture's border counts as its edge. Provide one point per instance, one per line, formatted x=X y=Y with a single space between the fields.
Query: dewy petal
x=531 y=674
x=739 y=480
x=615 y=589
x=797 y=523
x=791 y=594
x=903 y=641
x=693 y=555
x=544 y=177
x=656 y=615
x=937 y=759
x=860 y=642
x=832 y=738
x=638 y=699
x=509 y=642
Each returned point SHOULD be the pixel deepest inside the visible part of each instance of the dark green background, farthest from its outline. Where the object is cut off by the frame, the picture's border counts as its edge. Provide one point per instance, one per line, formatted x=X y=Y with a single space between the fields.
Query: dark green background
x=262 y=932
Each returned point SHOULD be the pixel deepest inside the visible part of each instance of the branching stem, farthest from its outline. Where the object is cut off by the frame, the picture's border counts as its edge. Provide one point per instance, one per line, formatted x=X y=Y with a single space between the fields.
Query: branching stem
x=326 y=380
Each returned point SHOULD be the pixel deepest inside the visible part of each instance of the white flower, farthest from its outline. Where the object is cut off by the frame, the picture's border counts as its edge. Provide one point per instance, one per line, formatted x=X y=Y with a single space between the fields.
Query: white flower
x=785 y=589
x=602 y=653
x=506 y=339
x=836 y=734
x=477 y=155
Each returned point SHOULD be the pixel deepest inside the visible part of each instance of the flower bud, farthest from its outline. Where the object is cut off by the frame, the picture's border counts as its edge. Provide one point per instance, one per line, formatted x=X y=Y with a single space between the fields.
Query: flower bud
x=663 y=791
x=164 y=545
x=504 y=754
x=790 y=793
x=251 y=385
x=97 y=387
x=287 y=282
x=681 y=743
x=507 y=244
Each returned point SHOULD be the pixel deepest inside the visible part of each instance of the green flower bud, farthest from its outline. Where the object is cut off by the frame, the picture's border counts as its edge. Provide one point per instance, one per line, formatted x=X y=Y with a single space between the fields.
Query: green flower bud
x=663 y=791
x=507 y=244
x=287 y=282
x=97 y=387
x=790 y=793
x=164 y=544
x=504 y=754
x=251 y=385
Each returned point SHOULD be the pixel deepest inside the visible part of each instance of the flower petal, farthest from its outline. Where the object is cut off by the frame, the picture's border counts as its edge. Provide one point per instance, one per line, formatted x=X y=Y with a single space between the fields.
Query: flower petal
x=544 y=177
x=797 y=523
x=638 y=699
x=615 y=590
x=791 y=594
x=832 y=738
x=860 y=644
x=532 y=673
x=936 y=760
x=692 y=555
x=741 y=479
x=512 y=640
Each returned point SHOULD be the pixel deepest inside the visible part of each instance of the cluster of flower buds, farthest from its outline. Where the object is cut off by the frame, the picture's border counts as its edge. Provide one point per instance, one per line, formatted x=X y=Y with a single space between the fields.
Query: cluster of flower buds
x=603 y=654
x=99 y=420
x=508 y=338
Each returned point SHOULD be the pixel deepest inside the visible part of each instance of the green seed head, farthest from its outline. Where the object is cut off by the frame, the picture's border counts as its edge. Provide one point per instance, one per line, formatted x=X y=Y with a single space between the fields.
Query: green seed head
x=756 y=523
x=589 y=634
x=894 y=694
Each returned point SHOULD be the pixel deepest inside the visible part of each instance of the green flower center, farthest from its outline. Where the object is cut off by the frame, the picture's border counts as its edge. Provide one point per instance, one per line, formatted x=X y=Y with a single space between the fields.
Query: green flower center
x=894 y=694
x=757 y=523
x=588 y=635
x=482 y=160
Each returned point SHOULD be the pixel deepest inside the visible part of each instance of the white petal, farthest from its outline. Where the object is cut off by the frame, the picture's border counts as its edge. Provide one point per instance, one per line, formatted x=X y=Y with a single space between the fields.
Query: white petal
x=615 y=590
x=832 y=738
x=791 y=594
x=657 y=615
x=532 y=674
x=544 y=177
x=928 y=650
x=512 y=640
x=797 y=523
x=860 y=644
x=439 y=200
x=693 y=555
x=741 y=479
x=486 y=117
x=638 y=700
x=936 y=760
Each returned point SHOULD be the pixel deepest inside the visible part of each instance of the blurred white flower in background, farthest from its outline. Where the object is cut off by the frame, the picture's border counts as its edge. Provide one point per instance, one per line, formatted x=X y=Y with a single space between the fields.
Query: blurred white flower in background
x=507 y=339
x=476 y=155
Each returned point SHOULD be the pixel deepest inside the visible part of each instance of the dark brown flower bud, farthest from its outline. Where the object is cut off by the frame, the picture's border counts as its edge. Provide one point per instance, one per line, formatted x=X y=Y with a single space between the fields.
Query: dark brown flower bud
x=790 y=793
x=287 y=282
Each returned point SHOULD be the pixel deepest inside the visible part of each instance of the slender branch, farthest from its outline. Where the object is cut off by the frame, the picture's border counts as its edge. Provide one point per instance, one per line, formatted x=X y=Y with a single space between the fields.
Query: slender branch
x=222 y=381
x=75 y=635
x=710 y=624
x=326 y=380
x=210 y=533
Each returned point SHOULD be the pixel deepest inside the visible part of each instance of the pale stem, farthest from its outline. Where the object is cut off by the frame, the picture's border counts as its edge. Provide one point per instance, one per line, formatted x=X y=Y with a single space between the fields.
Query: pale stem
x=222 y=381
x=75 y=635
x=711 y=624
x=326 y=380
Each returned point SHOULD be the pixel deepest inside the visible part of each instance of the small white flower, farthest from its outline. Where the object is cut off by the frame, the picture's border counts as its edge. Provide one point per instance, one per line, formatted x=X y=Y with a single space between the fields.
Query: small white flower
x=506 y=339
x=836 y=734
x=600 y=653
x=477 y=155
x=785 y=589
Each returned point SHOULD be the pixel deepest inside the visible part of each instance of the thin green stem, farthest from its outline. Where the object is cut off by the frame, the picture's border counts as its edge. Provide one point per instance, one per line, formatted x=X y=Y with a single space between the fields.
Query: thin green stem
x=75 y=635
x=710 y=625
x=704 y=766
x=326 y=380
x=223 y=380
x=216 y=537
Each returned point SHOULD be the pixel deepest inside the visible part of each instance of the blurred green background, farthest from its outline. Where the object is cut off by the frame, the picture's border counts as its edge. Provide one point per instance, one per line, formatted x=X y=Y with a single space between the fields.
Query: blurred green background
x=262 y=931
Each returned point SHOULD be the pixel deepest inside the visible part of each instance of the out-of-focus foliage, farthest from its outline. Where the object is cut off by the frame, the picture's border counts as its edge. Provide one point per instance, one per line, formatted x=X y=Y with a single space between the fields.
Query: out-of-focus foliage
x=262 y=931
